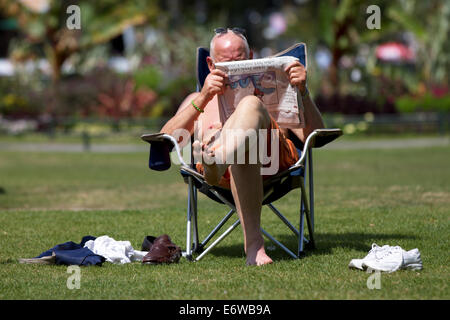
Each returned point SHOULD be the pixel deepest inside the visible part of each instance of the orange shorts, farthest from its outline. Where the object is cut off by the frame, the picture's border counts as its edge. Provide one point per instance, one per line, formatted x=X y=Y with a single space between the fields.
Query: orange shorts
x=288 y=155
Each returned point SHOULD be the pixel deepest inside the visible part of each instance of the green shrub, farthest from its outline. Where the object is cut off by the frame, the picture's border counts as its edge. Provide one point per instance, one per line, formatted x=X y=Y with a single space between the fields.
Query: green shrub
x=426 y=103
x=149 y=77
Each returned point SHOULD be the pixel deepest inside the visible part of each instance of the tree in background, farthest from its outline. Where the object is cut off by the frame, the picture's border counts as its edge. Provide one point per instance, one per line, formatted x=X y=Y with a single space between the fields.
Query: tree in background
x=339 y=27
x=167 y=33
x=43 y=24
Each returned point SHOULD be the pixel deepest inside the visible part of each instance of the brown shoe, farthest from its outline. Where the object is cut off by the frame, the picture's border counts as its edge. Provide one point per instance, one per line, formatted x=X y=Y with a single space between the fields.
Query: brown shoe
x=148 y=243
x=162 y=251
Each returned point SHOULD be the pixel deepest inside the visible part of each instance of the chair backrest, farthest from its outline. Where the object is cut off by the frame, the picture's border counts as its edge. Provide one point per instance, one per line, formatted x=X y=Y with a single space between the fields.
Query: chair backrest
x=202 y=67
x=297 y=50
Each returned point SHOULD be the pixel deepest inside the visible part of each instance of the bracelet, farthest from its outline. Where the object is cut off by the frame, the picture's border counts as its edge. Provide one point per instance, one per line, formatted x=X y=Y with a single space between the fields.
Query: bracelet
x=197 y=108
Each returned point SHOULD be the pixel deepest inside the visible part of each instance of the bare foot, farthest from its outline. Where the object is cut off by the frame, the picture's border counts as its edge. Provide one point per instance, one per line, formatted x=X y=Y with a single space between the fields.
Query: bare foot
x=214 y=168
x=256 y=255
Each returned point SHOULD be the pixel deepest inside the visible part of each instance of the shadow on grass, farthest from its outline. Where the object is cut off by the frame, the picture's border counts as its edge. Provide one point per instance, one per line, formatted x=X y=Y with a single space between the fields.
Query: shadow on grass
x=325 y=243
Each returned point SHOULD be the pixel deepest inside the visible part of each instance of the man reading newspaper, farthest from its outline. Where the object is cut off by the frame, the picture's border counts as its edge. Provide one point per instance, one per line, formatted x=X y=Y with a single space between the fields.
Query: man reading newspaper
x=266 y=79
x=199 y=114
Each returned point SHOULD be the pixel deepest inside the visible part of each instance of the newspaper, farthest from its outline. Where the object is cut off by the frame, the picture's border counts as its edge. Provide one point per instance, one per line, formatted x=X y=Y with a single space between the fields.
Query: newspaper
x=266 y=79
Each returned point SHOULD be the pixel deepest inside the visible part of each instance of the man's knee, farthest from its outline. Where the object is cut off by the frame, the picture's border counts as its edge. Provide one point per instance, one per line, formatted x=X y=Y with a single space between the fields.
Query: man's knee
x=252 y=106
x=251 y=103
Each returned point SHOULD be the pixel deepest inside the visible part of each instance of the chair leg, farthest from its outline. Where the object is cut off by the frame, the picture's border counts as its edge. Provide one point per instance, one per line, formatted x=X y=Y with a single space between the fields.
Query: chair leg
x=191 y=244
x=304 y=243
x=278 y=243
x=311 y=187
x=301 y=236
x=283 y=218
x=311 y=244
x=306 y=210
x=196 y=245
x=216 y=229
x=222 y=236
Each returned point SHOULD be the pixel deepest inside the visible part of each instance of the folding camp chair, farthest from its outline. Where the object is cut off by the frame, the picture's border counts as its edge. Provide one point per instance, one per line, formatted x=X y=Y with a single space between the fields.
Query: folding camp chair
x=275 y=187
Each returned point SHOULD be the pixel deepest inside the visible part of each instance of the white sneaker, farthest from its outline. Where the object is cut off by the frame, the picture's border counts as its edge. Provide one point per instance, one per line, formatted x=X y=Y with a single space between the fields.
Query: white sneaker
x=388 y=260
x=376 y=250
x=412 y=260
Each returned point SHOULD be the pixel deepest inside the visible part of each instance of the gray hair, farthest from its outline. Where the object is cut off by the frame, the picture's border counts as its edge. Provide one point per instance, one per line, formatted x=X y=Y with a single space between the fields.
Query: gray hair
x=211 y=44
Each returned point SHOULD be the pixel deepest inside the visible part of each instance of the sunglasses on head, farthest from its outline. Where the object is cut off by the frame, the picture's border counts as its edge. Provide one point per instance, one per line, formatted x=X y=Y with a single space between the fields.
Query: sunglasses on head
x=225 y=30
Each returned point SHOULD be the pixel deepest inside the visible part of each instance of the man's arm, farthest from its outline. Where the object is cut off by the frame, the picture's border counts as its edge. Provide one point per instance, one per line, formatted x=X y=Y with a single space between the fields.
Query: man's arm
x=187 y=113
x=185 y=116
x=313 y=119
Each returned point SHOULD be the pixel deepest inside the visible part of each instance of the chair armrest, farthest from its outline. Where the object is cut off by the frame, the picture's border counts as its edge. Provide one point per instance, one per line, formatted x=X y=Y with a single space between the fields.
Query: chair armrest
x=316 y=139
x=161 y=146
x=158 y=137
x=321 y=137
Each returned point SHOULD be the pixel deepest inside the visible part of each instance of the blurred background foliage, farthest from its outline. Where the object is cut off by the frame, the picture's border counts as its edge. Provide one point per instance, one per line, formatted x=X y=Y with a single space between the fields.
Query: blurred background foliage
x=136 y=59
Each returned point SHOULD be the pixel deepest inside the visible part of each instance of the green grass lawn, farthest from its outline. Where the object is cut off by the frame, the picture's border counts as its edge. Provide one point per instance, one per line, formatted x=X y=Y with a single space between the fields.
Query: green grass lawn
x=395 y=197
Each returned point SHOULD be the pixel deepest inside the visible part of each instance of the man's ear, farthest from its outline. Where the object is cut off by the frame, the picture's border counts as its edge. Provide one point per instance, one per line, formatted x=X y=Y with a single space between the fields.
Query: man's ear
x=210 y=63
x=250 y=54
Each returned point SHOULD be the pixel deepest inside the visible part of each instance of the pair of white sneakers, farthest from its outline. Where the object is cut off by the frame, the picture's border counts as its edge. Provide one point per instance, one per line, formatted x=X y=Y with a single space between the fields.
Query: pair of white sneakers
x=388 y=259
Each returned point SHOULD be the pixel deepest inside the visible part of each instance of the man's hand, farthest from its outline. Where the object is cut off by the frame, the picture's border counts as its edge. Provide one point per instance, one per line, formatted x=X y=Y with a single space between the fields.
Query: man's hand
x=297 y=76
x=214 y=84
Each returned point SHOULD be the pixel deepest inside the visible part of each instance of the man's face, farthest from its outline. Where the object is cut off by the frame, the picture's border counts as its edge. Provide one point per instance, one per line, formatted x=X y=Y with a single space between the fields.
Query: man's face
x=229 y=47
